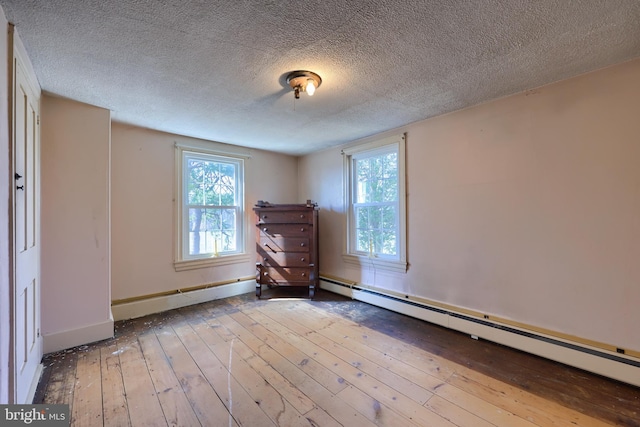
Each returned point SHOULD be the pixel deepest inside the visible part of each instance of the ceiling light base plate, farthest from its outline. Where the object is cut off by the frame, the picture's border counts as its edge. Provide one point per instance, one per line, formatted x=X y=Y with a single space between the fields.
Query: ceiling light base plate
x=299 y=79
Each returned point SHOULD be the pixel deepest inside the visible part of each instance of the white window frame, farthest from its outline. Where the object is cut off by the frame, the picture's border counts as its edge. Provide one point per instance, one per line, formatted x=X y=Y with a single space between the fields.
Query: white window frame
x=351 y=256
x=182 y=260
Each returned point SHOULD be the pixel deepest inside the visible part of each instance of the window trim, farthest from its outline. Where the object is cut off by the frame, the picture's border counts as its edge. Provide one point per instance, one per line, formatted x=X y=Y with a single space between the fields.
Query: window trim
x=350 y=256
x=180 y=262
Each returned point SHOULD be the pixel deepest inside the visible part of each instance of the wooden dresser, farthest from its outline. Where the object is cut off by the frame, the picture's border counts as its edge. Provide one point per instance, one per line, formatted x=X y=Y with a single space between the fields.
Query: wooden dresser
x=286 y=245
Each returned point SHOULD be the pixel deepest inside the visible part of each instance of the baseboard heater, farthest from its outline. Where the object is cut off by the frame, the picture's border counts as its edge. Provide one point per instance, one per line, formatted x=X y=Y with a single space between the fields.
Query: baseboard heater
x=149 y=304
x=602 y=362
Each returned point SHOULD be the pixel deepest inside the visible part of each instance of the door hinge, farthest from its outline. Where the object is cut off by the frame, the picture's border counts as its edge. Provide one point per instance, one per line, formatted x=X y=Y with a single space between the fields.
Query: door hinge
x=38 y=332
x=38 y=121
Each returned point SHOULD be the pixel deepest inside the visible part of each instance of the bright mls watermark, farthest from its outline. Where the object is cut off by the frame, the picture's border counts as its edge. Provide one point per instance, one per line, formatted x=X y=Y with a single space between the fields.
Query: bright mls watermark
x=35 y=415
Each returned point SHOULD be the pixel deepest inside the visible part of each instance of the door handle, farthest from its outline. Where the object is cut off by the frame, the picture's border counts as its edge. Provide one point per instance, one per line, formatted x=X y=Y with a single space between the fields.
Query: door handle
x=20 y=187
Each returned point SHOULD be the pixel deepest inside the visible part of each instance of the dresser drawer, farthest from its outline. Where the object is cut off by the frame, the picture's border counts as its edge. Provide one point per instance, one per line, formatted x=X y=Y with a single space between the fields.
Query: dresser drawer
x=289 y=259
x=284 y=217
x=285 y=274
x=282 y=244
x=285 y=230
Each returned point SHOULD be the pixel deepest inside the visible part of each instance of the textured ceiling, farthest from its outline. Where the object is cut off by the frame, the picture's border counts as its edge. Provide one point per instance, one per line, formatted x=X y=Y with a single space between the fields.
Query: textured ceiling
x=215 y=69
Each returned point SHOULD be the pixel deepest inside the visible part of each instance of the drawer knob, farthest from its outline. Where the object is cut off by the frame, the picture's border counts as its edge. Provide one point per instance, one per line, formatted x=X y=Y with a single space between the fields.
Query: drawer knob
x=264 y=259
x=301 y=244
x=265 y=229
x=266 y=273
x=304 y=274
x=301 y=259
x=301 y=215
x=264 y=217
x=302 y=229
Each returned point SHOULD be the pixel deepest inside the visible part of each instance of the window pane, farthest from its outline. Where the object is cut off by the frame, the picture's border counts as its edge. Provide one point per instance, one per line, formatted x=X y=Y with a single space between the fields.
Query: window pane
x=375 y=203
x=388 y=246
x=389 y=217
x=211 y=183
x=377 y=179
x=376 y=182
x=228 y=219
x=362 y=217
x=364 y=241
x=226 y=190
x=201 y=231
x=362 y=178
x=376 y=229
x=212 y=231
x=227 y=169
x=195 y=176
x=228 y=230
x=389 y=175
x=375 y=218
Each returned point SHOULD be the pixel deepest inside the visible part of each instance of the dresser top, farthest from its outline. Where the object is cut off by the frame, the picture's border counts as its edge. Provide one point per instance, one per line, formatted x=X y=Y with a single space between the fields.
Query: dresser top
x=261 y=204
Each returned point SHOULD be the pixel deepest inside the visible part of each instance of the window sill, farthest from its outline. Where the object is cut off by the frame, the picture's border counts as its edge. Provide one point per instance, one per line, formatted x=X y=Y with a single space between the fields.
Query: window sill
x=193 y=264
x=362 y=261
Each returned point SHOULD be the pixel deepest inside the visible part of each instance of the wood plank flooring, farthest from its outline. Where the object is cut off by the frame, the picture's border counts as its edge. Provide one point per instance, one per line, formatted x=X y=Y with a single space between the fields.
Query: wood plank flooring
x=327 y=362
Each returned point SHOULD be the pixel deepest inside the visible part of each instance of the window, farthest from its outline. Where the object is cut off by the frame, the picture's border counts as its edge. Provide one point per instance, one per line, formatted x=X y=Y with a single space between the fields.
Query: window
x=375 y=197
x=210 y=208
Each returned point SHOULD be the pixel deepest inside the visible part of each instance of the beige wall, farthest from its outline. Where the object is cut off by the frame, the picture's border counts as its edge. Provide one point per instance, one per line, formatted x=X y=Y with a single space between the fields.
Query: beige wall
x=5 y=185
x=527 y=207
x=143 y=211
x=75 y=144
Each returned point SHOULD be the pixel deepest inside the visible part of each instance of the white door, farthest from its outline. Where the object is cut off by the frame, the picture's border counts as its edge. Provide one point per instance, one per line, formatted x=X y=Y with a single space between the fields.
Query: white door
x=26 y=329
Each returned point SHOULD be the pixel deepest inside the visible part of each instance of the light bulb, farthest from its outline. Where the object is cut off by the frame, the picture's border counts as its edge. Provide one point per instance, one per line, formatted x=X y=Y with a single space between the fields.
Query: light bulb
x=311 y=87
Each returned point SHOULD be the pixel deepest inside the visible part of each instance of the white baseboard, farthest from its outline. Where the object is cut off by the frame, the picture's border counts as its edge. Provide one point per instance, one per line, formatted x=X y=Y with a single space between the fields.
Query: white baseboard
x=131 y=310
x=79 y=336
x=603 y=362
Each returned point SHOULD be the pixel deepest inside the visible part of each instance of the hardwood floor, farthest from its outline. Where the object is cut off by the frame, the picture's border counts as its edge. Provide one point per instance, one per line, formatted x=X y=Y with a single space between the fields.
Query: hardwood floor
x=327 y=362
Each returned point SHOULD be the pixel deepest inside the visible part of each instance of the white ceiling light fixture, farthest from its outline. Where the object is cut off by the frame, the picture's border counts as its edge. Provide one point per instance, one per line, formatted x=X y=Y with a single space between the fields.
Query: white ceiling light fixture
x=303 y=81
